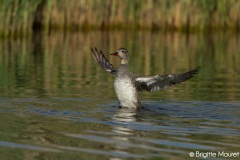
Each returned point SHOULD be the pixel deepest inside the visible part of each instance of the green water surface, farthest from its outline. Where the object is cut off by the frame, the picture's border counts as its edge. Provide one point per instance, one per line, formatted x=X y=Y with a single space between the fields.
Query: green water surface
x=57 y=103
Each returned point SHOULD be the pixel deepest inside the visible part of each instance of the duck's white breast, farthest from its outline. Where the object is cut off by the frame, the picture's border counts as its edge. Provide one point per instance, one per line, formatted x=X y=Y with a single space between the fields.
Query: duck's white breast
x=126 y=92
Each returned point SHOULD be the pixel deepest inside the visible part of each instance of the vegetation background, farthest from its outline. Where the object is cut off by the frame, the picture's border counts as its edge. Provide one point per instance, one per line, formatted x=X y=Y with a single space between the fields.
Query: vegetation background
x=22 y=17
x=45 y=44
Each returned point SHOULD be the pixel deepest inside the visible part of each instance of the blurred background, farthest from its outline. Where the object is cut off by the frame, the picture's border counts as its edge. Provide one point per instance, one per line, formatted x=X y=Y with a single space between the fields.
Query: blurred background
x=45 y=44
x=22 y=17
x=57 y=103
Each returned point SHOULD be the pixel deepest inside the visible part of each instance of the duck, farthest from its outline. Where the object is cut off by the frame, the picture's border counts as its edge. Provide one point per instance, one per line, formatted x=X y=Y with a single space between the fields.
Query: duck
x=127 y=85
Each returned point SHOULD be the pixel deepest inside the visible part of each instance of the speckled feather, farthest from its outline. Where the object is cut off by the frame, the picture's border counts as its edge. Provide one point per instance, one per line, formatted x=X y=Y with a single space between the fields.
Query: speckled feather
x=102 y=61
x=155 y=83
x=126 y=84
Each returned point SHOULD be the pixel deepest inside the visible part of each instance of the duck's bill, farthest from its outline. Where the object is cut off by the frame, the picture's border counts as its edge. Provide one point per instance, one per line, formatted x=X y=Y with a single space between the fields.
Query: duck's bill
x=114 y=54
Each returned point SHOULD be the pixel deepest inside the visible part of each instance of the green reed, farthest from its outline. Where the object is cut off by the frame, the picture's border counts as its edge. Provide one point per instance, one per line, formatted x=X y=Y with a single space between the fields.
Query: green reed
x=21 y=17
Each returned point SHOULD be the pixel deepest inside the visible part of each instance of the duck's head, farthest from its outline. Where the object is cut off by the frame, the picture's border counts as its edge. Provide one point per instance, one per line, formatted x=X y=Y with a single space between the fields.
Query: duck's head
x=122 y=53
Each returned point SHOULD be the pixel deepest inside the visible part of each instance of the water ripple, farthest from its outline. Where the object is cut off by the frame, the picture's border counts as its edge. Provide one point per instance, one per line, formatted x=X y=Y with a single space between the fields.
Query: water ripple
x=27 y=146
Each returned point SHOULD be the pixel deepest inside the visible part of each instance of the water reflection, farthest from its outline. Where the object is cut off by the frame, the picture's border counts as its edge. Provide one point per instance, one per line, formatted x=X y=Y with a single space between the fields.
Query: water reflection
x=123 y=116
x=61 y=64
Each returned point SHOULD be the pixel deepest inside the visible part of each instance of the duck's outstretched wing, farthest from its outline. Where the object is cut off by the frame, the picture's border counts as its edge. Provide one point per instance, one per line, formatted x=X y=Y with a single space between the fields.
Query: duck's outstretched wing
x=102 y=61
x=155 y=83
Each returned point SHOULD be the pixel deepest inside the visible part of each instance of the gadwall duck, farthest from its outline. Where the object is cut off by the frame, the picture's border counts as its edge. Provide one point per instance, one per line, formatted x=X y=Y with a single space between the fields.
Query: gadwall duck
x=127 y=84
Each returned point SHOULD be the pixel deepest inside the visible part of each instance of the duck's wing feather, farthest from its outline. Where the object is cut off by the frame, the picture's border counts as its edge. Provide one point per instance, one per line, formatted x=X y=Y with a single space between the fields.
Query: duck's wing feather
x=155 y=83
x=102 y=61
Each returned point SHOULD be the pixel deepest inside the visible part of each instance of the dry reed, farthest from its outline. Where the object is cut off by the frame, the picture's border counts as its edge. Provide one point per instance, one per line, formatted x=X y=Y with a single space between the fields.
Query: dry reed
x=21 y=17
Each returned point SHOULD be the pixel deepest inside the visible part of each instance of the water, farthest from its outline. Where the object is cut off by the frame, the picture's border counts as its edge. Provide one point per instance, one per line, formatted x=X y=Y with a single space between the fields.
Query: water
x=56 y=103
